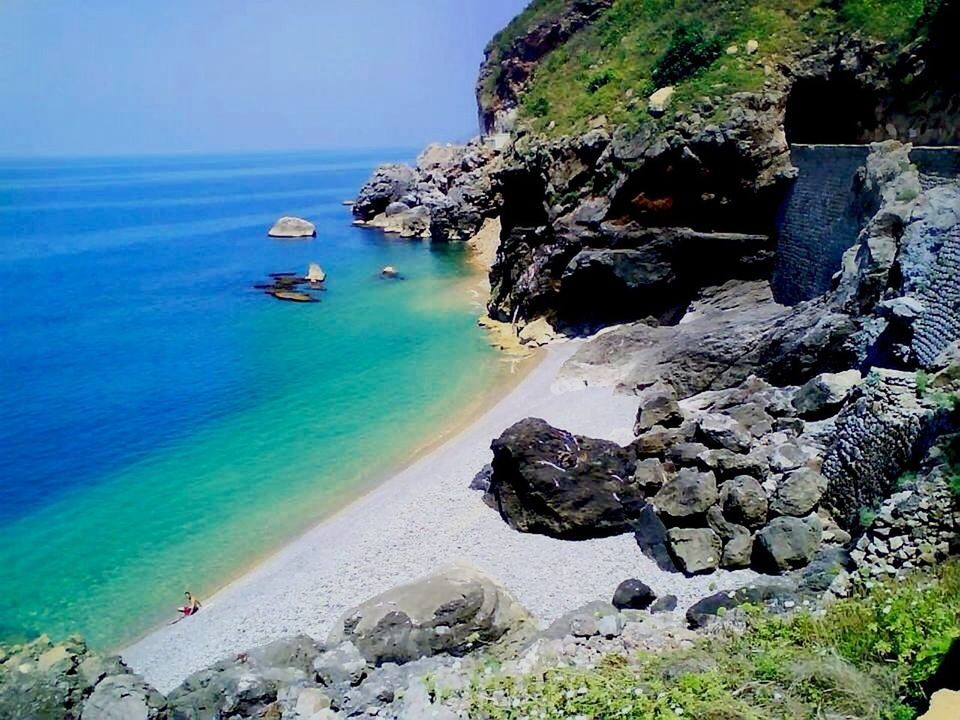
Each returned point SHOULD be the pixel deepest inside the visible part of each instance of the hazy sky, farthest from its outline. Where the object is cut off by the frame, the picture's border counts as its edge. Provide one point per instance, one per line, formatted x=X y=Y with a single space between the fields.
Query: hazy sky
x=82 y=77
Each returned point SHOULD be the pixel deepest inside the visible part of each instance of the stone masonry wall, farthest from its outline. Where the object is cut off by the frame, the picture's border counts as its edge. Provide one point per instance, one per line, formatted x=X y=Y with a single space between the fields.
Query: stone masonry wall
x=818 y=220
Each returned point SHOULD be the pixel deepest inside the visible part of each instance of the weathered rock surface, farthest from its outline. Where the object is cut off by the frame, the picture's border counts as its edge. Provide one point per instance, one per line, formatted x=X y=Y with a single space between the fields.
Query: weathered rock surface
x=449 y=195
x=687 y=494
x=826 y=393
x=451 y=611
x=799 y=493
x=744 y=501
x=787 y=543
x=552 y=482
x=292 y=227
x=125 y=697
x=695 y=550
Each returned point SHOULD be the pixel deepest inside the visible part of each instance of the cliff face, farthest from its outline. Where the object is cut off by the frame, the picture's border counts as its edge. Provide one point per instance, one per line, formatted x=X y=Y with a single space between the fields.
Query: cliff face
x=513 y=55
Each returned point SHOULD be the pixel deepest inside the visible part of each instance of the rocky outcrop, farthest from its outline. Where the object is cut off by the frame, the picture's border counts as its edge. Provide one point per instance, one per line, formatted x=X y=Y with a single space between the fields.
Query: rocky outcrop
x=292 y=227
x=125 y=697
x=49 y=681
x=513 y=54
x=553 y=482
x=452 y=611
x=447 y=196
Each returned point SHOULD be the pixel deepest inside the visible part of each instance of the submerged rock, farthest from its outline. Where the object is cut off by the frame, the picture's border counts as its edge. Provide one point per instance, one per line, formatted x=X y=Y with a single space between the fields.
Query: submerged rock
x=292 y=227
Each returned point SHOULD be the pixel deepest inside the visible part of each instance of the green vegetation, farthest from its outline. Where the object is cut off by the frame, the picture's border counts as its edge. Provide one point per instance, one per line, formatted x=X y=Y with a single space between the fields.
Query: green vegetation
x=612 y=66
x=864 y=657
x=691 y=49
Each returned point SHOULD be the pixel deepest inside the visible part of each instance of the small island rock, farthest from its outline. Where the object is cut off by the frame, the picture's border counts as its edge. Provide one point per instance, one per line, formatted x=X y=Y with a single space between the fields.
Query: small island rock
x=292 y=227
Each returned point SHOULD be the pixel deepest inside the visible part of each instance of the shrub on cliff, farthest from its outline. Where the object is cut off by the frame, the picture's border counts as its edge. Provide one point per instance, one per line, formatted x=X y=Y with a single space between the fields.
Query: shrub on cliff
x=691 y=49
x=865 y=657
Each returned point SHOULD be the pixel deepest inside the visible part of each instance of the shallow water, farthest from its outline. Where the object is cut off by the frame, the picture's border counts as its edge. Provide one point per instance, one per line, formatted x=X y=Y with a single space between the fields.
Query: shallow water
x=164 y=425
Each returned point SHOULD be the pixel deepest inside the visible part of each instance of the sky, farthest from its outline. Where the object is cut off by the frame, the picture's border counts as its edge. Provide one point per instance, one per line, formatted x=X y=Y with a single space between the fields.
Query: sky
x=127 y=77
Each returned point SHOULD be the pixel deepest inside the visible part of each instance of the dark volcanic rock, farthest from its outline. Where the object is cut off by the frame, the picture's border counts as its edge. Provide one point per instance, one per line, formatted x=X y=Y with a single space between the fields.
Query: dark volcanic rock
x=633 y=594
x=666 y=603
x=651 y=536
x=552 y=482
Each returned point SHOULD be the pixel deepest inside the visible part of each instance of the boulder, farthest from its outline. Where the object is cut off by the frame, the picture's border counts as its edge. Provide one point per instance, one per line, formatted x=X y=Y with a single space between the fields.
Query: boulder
x=744 y=501
x=659 y=101
x=125 y=697
x=686 y=494
x=738 y=549
x=633 y=594
x=651 y=537
x=248 y=684
x=389 y=271
x=658 y=406
x=664 y=604
x=650 y=475
x=787 y=543
x=695 y=550
x=552 y=482
x=452 y=611
x=823 y=395
x=776 y=598
x=537 y=333
x=722 y=431
x=292 y=227
x=799 y=493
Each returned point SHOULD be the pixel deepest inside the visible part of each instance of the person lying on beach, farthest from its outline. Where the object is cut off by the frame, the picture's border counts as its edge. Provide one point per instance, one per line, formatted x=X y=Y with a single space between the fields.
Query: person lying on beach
x=191 y=608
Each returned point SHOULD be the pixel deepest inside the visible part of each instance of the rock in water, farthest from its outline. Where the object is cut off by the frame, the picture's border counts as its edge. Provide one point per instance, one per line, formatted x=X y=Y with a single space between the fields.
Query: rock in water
x=389 y=272
x=315 y=274
x=452 y=611
x=292 y=227
x=552 y=482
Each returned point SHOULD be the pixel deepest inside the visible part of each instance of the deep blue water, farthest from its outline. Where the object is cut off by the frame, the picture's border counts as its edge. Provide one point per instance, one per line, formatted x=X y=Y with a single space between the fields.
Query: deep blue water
x=150 y=395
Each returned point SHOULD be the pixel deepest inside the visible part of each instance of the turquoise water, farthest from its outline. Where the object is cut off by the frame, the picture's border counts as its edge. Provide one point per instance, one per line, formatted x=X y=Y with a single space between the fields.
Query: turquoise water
x=163 y=425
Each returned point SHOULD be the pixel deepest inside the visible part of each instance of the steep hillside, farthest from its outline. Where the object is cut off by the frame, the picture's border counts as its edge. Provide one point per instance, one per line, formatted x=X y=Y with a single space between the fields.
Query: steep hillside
x=610 y=66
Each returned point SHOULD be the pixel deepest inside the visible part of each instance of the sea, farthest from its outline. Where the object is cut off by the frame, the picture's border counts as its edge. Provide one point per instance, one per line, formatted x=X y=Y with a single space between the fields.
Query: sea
x=165 y=425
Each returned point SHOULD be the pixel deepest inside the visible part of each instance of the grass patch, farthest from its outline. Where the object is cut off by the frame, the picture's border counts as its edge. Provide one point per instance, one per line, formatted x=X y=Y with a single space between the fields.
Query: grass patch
x=864 y=657
x=611 y=67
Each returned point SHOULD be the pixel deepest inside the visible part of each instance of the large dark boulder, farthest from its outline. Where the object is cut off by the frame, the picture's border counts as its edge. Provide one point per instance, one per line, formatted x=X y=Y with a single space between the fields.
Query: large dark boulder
x=553 y=482
x=633 y=594
x=744 y=501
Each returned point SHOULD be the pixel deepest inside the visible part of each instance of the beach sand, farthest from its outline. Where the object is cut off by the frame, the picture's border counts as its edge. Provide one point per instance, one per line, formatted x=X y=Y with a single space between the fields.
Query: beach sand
x=422 y=518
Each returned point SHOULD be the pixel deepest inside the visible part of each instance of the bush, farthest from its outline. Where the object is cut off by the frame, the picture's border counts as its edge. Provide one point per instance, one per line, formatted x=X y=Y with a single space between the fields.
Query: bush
x=600 y=79
x=691 y=49
x=865 y=657
x=537 y=106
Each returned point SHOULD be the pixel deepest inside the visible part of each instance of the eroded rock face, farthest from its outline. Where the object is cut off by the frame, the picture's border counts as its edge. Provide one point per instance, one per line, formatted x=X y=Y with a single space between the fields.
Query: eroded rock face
x=49 y=681
x=552 y=482
x=505 y=70
x=447 y=196
x=451 y=611
x=248 y=684
x=125 y=697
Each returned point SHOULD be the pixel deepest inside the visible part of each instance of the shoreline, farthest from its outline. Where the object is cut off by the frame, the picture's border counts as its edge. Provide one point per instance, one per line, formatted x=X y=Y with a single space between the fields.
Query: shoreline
x=377 y=541
x=459 y=423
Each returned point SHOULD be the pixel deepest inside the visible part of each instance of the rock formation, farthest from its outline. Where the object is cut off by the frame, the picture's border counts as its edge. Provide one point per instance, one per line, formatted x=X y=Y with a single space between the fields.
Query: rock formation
x=292 y=227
